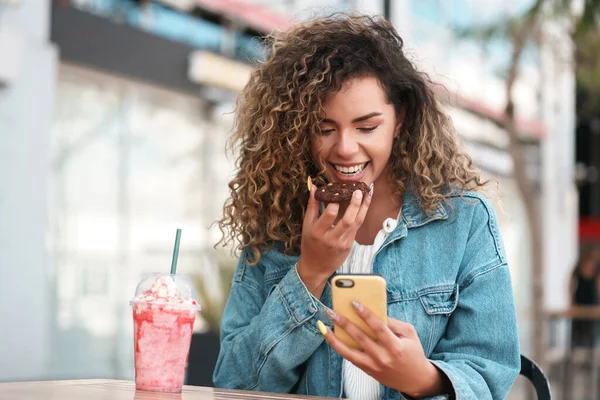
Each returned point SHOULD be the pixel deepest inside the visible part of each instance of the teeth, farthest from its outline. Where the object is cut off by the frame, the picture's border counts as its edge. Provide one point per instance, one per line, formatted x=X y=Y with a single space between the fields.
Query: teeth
x=351 y=170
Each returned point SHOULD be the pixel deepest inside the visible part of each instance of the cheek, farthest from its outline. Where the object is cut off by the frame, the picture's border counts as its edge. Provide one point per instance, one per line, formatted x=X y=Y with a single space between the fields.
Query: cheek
x=383 y=152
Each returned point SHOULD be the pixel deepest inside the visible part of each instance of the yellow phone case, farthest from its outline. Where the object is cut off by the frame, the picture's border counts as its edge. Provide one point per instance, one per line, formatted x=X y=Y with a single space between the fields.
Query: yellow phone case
x=369 y=290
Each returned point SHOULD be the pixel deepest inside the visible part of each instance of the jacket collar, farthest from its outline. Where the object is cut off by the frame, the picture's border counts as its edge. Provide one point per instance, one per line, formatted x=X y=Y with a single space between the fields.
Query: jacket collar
x=413 y=214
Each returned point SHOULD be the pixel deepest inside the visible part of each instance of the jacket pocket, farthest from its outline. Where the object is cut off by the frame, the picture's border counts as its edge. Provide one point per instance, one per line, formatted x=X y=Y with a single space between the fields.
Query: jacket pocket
x=439 y=299
x=437 y=302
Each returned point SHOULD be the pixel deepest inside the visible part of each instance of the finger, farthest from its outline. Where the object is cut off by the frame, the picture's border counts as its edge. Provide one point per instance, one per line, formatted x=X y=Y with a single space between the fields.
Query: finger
x=401 y=328
x=327 y=218
x=312 y=209
x=348 y=220
x=356 y=357
x=364 y=207
x=363 y=339
x=382 y=332
x=361 y=215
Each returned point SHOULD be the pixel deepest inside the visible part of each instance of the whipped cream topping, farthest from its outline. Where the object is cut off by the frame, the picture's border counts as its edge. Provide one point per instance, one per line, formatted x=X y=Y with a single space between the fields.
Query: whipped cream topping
x=163 y=291
x=164 y=288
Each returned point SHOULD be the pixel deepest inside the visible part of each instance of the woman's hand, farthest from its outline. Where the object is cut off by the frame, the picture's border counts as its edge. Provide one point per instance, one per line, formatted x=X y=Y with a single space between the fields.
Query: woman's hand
x=325 y=247
x=395 y=358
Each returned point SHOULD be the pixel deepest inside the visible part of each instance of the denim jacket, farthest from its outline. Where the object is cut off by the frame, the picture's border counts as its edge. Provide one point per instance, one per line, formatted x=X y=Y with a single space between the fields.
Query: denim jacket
x=446 y=275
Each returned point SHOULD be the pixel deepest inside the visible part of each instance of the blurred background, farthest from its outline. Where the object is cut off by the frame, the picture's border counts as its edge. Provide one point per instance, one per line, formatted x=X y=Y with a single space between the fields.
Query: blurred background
x=113 y=121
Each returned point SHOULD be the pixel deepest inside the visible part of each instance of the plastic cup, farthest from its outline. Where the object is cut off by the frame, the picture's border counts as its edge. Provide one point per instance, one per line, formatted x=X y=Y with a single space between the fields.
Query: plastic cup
x=164 y=311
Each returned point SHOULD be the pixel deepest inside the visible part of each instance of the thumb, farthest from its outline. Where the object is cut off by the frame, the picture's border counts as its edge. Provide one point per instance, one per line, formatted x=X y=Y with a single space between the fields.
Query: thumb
x=312 y=209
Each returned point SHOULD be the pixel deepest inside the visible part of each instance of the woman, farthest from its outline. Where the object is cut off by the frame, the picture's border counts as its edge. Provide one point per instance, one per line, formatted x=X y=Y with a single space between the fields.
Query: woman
x=337 y=100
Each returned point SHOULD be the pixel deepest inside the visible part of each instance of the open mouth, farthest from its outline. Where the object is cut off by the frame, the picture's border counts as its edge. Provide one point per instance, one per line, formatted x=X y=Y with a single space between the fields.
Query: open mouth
x=352 y=170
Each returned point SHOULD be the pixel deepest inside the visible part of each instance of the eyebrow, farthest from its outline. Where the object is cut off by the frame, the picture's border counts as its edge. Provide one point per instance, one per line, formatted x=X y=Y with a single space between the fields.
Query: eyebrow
x=359 y=119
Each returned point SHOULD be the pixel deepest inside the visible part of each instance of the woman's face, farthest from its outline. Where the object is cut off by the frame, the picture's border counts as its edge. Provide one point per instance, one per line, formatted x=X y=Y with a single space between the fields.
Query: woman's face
x=358 y=129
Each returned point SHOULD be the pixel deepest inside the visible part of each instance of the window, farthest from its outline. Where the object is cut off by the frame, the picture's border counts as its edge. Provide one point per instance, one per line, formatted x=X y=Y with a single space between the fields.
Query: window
x=130 y=164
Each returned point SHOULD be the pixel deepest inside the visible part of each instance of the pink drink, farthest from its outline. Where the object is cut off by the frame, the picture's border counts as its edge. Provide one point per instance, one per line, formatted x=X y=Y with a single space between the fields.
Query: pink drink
x=163 y=322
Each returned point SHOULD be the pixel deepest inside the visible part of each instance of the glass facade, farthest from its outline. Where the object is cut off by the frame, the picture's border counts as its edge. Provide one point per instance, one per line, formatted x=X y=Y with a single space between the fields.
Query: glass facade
x=130 y=164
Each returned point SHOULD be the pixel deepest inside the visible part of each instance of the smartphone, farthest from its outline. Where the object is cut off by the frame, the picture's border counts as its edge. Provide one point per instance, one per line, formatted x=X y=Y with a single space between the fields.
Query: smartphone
x=369 y=290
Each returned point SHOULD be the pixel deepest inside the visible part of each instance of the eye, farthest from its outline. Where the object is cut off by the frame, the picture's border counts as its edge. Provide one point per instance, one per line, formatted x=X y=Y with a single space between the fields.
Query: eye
x=326 y=131
x=368 y=128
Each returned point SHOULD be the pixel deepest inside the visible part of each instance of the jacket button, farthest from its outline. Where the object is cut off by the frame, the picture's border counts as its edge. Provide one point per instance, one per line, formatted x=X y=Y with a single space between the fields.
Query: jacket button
x=389 y=225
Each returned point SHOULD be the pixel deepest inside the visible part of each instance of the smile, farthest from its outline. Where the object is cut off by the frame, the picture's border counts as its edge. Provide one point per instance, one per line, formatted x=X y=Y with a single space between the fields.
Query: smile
x=349 y=171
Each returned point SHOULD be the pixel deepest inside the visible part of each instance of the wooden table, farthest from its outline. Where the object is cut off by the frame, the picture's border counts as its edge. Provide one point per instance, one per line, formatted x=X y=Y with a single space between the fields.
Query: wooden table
x=108 y=389
x=591 y=313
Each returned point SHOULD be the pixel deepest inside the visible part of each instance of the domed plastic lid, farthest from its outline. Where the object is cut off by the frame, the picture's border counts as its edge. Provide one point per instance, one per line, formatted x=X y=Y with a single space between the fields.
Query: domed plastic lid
x=166 y=289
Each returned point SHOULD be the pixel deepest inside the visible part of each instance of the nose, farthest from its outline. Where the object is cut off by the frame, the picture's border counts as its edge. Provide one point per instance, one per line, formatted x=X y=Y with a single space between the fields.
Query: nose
x=346 y=145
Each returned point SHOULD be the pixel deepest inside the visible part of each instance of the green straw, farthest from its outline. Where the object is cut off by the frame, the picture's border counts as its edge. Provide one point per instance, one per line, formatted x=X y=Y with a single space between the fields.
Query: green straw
x=175 y=252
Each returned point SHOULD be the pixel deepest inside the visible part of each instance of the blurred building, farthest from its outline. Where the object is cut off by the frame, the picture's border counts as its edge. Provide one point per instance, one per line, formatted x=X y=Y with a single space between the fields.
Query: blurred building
x=113 y=120
x=28 y=63
x=544 y=95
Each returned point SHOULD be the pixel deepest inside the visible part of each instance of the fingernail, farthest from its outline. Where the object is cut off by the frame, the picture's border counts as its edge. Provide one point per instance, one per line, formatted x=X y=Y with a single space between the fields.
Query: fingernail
x=330 y=313
x=358 y=194
x=357 y=305
x=371 y=189
x=322 y=328
x=308 y=183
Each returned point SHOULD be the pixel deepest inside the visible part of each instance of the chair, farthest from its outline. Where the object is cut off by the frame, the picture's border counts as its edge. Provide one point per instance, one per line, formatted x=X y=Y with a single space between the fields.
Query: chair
x=531 y=371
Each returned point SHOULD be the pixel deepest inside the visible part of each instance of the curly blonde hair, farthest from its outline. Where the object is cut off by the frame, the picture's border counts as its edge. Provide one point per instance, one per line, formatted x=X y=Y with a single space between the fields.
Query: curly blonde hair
x=278 y=115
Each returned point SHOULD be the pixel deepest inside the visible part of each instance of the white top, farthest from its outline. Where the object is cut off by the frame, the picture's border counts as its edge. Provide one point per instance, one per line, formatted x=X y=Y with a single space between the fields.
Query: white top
x=357 y=384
